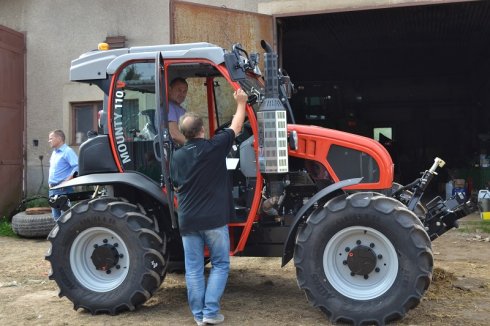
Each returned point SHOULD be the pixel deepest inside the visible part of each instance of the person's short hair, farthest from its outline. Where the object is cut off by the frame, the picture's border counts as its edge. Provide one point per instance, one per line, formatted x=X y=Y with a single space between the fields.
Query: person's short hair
x=177 y=80
x=59 y=133
x=192 y=126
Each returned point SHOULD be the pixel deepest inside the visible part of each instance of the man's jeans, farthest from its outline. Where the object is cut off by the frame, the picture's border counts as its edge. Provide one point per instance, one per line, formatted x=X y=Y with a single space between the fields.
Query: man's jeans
x=57 y=212
x=204 y=300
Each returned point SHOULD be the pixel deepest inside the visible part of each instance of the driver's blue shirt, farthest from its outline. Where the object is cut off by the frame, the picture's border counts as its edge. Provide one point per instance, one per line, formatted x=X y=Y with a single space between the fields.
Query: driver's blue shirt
x=175 y=111
x=62 y=164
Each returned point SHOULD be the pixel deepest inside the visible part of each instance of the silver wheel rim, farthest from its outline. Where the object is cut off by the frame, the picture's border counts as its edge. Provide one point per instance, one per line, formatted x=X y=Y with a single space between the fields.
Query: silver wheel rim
x=358 y=287
x=83 y=268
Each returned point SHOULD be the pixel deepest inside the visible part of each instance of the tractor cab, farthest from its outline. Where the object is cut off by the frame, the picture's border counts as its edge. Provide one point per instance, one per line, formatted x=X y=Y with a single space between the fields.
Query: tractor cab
x=135 y=115
x=138 y=126
x=135 y=122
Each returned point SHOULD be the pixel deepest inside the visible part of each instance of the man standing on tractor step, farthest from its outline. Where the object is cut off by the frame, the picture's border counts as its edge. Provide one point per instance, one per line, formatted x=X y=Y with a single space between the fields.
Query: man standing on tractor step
x=63 y=166
x=205 y=199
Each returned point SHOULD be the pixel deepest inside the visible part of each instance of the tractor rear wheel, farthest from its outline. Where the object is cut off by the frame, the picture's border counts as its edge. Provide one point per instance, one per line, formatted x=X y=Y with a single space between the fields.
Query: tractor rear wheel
x=106 y=257
x=363 y=259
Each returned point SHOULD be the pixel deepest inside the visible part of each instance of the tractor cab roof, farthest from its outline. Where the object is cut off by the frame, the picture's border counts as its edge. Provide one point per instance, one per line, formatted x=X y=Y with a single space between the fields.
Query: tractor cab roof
x=98 y=64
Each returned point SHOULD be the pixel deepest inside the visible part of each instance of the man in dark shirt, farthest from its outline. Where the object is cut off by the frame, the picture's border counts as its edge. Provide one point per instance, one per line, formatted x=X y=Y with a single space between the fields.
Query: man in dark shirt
x=200 y=179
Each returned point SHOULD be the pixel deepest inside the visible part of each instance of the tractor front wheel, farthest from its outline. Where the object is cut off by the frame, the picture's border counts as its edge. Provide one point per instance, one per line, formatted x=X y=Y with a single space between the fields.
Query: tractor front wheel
x=106 y=257
x=363 y=259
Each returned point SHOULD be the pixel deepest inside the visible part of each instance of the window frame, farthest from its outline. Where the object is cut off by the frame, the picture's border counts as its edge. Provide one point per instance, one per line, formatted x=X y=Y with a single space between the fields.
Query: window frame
x=74 y=106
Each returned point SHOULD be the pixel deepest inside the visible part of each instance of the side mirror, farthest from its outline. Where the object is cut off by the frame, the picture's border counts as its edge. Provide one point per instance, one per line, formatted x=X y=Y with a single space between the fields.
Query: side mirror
x=234 y=67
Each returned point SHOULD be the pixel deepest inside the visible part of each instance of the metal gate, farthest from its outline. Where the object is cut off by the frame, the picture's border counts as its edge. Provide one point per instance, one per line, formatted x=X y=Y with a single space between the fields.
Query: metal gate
x=12 y=107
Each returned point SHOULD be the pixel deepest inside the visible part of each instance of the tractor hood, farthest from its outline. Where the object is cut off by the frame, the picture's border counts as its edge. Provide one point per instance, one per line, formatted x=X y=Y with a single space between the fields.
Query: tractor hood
x=345 y=155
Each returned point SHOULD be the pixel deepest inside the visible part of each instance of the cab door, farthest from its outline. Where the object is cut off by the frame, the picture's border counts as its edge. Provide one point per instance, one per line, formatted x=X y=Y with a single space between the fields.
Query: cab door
x=162 y=143
x=132 y=111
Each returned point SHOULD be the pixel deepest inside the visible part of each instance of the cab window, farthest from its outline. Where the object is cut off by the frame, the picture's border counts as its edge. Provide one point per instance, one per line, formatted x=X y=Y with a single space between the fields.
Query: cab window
x=133 y=118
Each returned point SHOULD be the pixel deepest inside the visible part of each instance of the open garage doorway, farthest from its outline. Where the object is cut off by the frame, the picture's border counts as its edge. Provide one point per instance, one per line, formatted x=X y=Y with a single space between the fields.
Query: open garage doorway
x=416 y=76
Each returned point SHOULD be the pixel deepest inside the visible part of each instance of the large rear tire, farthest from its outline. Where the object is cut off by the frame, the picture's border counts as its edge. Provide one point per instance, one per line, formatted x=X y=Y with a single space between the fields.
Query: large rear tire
x=363 y=259
x=106 y=257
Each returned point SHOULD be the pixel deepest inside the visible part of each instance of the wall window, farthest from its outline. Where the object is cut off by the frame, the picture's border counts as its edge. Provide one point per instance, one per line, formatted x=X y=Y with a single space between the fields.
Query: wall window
x=84 y=120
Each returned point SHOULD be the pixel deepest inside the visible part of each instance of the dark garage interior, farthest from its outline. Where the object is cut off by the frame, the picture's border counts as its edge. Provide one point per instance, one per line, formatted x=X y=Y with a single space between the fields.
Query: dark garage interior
x=422 y=73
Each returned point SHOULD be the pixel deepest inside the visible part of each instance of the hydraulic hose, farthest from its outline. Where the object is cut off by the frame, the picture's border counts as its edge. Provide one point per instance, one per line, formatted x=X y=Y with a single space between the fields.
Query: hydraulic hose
x=408 y=186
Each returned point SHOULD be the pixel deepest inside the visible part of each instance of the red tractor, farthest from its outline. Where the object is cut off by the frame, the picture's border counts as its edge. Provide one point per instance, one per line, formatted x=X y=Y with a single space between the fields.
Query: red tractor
x=361 y=244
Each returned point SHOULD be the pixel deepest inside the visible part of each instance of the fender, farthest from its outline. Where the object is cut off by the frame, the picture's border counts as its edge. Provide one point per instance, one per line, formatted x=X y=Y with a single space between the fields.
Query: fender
x=134 y=179
x=289 y=244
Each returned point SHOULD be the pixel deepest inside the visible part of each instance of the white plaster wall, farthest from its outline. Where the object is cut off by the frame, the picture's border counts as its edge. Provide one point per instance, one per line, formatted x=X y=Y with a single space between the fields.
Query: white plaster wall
x=58 y=31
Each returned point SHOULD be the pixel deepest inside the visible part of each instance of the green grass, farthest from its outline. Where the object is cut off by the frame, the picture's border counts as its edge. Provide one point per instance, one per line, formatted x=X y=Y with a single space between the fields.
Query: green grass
x=482 y=226
x=6 y=229
x=37 y=202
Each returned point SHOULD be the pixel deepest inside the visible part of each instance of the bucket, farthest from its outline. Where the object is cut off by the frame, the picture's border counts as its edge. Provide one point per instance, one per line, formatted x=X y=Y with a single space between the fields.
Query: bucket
x=484 y=204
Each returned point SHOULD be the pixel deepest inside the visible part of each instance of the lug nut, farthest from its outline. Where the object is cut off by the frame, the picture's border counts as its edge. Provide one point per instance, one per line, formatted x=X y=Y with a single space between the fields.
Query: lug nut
x=96 y=246
x=371 y=245
x=105 y=241
x=380 y=256
x=352 y=274
x=108 y=271
x=366 y=277
x=377 y=269
x=344 y=262
x=358 y=242
x=347 y=249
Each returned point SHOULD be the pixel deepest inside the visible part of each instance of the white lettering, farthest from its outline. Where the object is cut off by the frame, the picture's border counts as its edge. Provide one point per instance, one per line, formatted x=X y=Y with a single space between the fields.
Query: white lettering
x=123 y=151
x=118 y=130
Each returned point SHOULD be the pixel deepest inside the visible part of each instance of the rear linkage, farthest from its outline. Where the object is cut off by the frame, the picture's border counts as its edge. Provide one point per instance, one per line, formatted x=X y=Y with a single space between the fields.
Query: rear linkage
x=441 y=215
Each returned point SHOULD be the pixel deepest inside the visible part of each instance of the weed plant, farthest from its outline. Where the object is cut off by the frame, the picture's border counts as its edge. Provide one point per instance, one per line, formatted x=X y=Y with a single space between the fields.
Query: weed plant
x=6 y=228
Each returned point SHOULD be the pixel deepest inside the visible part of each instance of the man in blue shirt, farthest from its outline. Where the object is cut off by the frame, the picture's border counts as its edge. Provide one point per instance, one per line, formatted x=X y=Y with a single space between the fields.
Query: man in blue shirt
x=63 y=166
x=204 y=193
x=177 y=92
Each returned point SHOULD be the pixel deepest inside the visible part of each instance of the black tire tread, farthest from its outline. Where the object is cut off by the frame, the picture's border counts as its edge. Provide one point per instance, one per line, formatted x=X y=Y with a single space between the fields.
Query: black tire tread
x=385 y=206
x=32 y=226
x=149 y=241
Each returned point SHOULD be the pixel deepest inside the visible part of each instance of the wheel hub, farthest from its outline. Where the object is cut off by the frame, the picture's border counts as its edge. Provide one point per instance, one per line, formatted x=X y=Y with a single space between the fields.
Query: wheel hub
x=105 y=257
x=361 y=260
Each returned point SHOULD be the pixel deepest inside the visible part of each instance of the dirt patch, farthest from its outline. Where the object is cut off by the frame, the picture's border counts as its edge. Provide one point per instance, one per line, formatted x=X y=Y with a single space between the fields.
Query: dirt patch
x=259 y=292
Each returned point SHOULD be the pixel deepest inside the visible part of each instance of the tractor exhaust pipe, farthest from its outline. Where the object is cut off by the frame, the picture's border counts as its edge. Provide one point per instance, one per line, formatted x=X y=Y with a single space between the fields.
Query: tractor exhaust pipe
x=272 y=120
